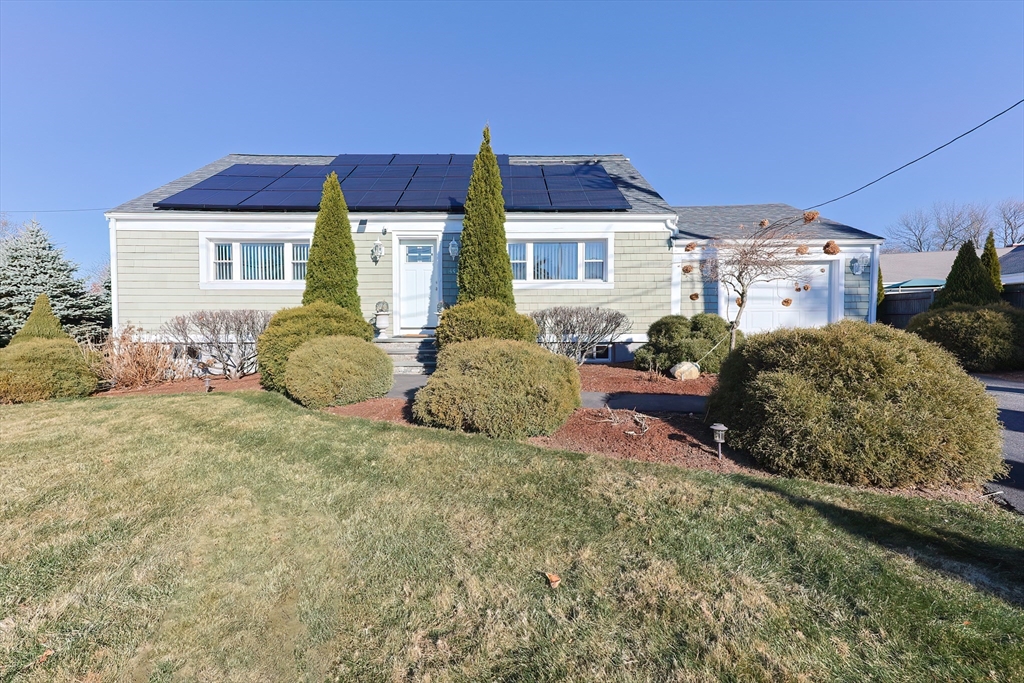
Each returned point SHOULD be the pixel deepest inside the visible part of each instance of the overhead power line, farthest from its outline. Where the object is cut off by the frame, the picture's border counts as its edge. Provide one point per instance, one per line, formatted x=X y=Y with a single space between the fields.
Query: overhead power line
x=1017 y=104
x=50 y=210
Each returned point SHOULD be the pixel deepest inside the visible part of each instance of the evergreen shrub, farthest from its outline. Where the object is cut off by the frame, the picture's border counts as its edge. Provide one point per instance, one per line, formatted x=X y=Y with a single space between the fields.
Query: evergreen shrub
x=859 y=404
x=291 y=327
x=39 y=369
x=483 y=318
x=336 y=371
x=41 y=323
x=983 y=338
x=968 y=282
x=676 y=338
x=504 y=389
x=331 y=272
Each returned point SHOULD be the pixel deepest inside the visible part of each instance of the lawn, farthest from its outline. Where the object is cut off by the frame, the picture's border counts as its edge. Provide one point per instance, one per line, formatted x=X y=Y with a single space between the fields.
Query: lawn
x=238 y=537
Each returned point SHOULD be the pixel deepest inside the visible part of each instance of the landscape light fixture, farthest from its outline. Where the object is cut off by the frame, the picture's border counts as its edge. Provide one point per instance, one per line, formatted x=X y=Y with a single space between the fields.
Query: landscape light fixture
x=719 y=431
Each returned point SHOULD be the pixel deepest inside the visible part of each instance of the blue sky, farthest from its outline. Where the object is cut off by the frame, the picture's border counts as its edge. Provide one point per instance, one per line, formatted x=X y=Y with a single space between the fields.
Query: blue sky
x=714 y=103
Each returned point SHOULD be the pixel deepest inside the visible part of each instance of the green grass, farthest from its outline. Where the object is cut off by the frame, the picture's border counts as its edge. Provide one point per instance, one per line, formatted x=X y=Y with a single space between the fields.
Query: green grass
x=238 y=537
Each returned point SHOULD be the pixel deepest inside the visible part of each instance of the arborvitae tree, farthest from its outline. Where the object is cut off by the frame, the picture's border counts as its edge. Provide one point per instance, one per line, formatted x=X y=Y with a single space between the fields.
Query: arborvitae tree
x=990 y=261
x=41 y=323
x=881 y=288
x=968 y=282
x=331 y=273
x=484 y=267
x=31 y=265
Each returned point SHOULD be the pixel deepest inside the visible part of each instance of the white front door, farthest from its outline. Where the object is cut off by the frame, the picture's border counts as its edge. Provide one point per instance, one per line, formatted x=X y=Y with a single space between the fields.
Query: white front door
x=418 y=284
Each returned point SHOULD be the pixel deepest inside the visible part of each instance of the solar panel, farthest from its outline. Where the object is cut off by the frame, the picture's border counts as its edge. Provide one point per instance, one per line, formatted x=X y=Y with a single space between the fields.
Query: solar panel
x=403 y=182
x=256 y=170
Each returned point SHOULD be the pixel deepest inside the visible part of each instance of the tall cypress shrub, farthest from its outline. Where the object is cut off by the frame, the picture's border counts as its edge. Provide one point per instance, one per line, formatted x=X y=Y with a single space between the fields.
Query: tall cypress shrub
x=968 y=282
x=331 y=273
x=881 y=288
x=990 y=261
x=484 y=267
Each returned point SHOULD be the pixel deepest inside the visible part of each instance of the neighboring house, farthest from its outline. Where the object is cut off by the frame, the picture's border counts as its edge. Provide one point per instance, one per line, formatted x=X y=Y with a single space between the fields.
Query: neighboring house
x=582 y=230
x=928 y=269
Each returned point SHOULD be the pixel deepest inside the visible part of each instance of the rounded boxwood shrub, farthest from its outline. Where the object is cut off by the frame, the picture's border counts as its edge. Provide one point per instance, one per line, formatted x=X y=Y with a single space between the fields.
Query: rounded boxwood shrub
x=676 y=338
x=291 y=327
x=983 y=338
x=505 y=389
x=858 y=404
x=40 y=369
x=336 y=371
x=483 y=318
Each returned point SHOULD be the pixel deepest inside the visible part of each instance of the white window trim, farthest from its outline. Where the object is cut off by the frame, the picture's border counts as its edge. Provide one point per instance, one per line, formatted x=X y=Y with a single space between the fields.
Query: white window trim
x=579 y=239
x=208 y=271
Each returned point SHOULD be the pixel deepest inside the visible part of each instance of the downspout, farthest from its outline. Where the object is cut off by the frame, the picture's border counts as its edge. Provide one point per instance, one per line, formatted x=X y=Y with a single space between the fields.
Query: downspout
x=873 y=287
x=114 y=323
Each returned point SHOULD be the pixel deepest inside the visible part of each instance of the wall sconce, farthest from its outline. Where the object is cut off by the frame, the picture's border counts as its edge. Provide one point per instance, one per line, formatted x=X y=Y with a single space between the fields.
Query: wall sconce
x=377 y=252
x=857 y=265
x=453 y=248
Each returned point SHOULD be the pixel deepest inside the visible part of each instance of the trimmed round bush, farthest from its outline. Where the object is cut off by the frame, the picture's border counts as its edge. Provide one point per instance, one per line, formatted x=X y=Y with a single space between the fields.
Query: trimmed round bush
x=483 y=318
x=504 y=389
x=676 y=338
x=336 y=371
x=292 y=327
x=858 y=404
x=41 y=369
x=983 y=338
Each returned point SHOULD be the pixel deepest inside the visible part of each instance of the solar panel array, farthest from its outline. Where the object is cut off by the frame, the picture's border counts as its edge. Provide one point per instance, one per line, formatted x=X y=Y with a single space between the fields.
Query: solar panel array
x=400 y=182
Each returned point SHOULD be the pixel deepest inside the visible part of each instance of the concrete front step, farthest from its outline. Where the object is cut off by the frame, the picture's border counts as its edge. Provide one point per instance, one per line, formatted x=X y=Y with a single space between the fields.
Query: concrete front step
x=410 y=355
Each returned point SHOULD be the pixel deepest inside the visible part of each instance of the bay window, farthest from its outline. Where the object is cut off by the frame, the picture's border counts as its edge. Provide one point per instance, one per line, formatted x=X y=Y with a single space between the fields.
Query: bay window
x=549 y=261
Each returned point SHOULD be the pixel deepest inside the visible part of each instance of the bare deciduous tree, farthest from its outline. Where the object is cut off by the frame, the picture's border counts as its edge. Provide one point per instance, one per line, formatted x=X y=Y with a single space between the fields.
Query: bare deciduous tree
x=912 y=232
x=765 y=253
x=1011 y=215
x=576 y=331
x=227 y=338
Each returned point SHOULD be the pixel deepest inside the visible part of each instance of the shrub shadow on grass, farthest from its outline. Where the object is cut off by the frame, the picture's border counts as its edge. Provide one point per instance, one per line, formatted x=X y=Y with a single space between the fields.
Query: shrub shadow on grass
x=992 y=568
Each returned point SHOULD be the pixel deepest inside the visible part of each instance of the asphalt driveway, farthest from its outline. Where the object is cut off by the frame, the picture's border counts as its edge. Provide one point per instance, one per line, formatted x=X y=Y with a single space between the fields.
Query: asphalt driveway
x=1010 y=396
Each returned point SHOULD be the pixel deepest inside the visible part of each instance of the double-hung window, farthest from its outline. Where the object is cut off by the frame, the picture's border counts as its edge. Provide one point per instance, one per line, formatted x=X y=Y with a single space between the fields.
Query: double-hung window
x=550 y=261
x=259 y=261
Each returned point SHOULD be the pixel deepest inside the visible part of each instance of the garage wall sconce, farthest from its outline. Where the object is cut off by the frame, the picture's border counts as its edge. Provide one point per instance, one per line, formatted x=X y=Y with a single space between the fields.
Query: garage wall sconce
x=859 y=264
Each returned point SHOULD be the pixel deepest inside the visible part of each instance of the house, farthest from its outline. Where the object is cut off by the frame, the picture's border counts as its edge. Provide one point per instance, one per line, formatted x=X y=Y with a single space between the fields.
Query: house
x=582 y=230
x=928 y=269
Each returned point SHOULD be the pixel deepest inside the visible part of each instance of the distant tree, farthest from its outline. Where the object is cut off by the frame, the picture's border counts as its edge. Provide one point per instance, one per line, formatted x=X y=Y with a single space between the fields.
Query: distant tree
x=764 y=253
x=968 y=282
x=31 y=265
x=485 y=270
x=331 y=273
x=41 y=323
x=1011 y=215
x=946 y=226
x=912 y=232
x=990 y=262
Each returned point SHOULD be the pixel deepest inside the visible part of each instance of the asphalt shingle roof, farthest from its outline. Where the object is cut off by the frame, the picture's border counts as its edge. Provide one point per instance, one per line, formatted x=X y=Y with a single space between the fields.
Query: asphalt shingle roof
x=723 y=222
x=643 y=198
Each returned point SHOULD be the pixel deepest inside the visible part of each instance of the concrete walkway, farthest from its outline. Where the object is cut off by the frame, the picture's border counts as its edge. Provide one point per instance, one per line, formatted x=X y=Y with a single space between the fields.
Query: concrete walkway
x=1010 y=396
x=406 y=387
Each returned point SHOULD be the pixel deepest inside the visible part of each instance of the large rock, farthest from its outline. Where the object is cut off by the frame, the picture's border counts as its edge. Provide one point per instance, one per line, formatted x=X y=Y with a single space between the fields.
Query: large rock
x=685 y=370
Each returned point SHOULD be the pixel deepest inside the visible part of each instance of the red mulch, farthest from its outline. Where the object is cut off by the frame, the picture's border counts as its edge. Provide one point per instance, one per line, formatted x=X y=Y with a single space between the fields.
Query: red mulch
x=668 y=438
x=397 y=410
x=612 y=379
x=193 y=385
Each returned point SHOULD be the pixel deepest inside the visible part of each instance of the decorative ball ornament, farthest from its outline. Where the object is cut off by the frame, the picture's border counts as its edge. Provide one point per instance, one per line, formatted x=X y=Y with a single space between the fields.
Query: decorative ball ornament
x=798 y=288
x=694 y=296
x=691 y=246
x=739 y=301
x=802 y=249
x=831 y=248
x=787 y=302
x=687 y=268
x=807 y=287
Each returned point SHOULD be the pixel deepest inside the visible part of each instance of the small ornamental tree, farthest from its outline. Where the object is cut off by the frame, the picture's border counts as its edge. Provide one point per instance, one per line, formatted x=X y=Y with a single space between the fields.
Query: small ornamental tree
x=968 y=282
x=331 y=273
x=990 y=261
x=41 y=323
x=484 y=267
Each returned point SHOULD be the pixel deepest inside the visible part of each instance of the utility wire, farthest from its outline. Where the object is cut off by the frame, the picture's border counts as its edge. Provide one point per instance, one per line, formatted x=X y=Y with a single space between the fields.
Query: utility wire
x=52 y=210
x=1017 y=104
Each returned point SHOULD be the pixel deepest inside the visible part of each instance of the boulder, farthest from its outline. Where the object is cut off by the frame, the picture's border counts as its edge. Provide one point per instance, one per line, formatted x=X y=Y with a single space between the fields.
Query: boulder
x=685 y=370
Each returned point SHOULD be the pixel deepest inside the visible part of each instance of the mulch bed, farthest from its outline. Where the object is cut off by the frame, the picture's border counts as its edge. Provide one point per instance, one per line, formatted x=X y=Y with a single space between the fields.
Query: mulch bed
x=622 y=378
x=396 y=410
x=193 y=385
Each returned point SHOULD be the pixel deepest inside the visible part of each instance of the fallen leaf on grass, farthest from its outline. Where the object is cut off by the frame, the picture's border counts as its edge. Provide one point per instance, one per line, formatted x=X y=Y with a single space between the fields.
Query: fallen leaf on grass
x=553 y=579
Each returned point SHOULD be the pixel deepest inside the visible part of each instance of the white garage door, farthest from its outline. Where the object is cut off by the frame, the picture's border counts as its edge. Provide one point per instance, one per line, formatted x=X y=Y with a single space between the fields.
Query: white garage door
x=808 y=297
